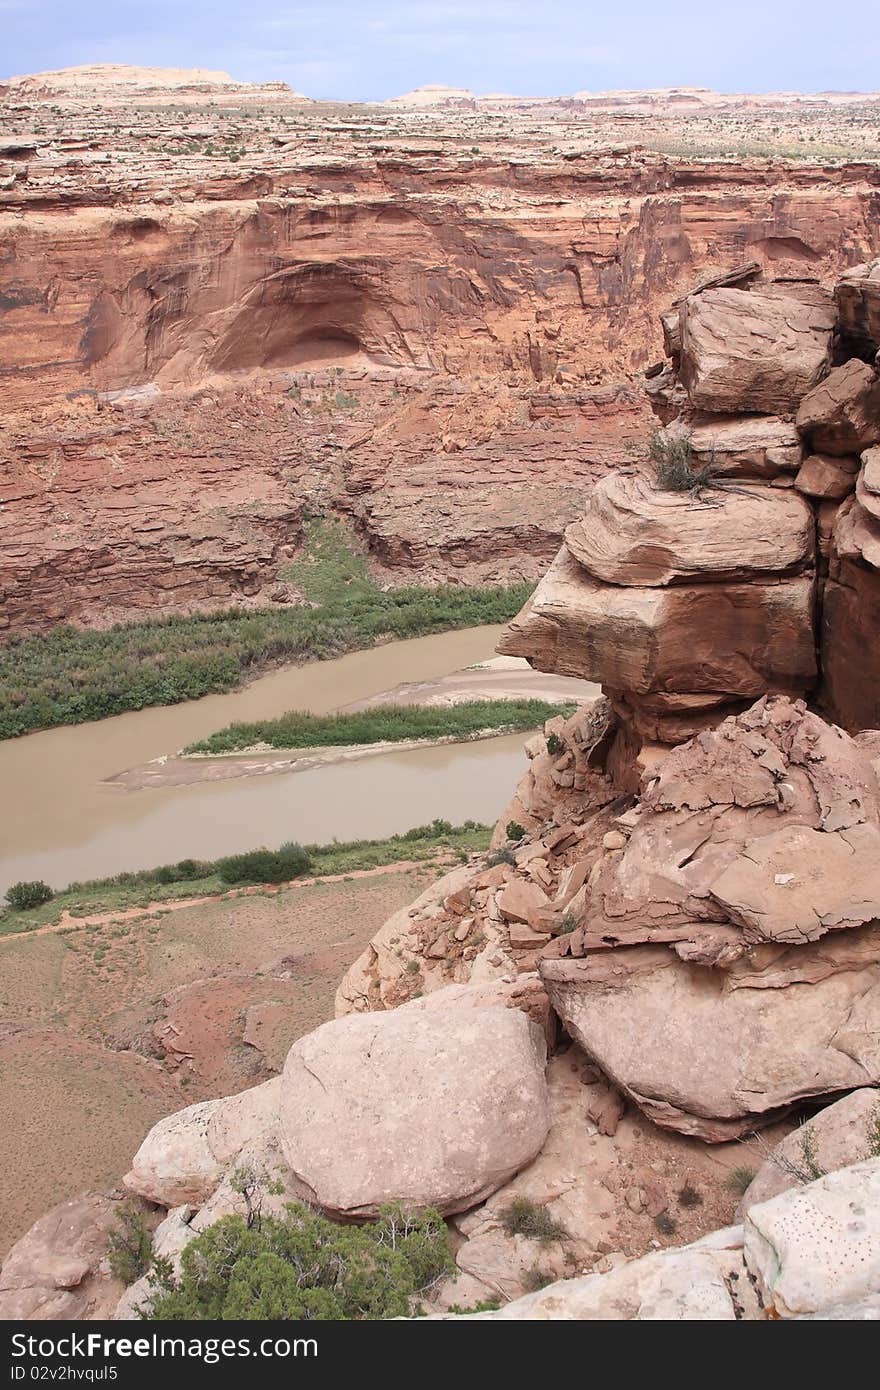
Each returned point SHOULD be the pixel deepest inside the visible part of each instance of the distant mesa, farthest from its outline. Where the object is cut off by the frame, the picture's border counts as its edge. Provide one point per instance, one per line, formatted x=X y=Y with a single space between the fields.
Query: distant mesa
x=121 y=82
x=434 y=95
x=652 y=100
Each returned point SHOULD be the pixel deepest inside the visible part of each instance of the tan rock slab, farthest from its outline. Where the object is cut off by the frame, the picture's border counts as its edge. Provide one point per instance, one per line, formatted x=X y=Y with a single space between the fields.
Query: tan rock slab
x=519 y=901
x=797 y=883
x=633 y=533
x=747 y=351
x=841 y=415
x=739 y=639
x=428 y=1106
x=706 y=1059
x=747 y=446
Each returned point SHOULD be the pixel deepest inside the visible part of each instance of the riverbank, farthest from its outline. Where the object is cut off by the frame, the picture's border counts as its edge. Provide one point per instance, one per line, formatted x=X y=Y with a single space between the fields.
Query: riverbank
x=66 y=819
x=73 y=676
x=191 y=882
x=384 y=723
x=498 y=689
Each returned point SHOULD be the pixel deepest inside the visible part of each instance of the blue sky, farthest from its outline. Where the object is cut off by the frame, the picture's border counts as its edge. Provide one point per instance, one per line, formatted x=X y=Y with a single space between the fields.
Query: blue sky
x=372 y=49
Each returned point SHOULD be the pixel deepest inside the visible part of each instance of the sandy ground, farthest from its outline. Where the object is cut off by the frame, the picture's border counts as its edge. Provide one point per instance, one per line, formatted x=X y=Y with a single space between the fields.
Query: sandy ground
x=501 y=678
x=88 y=1061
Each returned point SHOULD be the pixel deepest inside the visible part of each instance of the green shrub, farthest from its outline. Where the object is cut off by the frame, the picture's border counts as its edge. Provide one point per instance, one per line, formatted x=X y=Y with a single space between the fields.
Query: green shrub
x=381 y=724
x=555 y=745
x=191 y=877
x=515 y=831
x=303 y=1266
x=525 y=1218
x=71 y=675
x=265 y=865
x=130 y=1244
x=27 y=894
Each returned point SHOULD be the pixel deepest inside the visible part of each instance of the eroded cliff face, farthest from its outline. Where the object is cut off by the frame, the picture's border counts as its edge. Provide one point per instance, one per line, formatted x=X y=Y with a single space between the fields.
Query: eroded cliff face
x=443 y=343
x=689 y=851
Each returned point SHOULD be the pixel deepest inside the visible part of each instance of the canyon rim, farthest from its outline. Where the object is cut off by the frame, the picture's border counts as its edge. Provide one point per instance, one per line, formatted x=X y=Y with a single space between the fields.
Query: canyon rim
x=594 y=379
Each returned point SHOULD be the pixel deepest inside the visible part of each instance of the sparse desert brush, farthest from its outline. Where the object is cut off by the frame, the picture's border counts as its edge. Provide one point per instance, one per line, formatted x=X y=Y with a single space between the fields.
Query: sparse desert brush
x=689 y=1196
x=673 y=459
x=738 y=1179
x=523 y=1217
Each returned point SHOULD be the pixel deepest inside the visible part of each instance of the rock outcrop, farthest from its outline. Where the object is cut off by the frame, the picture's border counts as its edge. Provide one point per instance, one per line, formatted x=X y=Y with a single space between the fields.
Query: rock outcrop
x=813 y=1252
x=757 y=352
x=433 y=1107
x=59 y=1269
x=185 y=1155
x=210 y=325
x=815 y=1249
x=743 y=555
x=842 y=1134
x=711 y=942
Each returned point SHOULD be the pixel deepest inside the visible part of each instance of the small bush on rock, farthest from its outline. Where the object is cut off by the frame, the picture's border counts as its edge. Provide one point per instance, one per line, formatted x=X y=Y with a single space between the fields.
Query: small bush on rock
x=27 y=894
x=673 y=459
x=303 y=1266
x=525 y=1218
x=738 y=1179
x=515 y=831
x=555 y=745
x=501 y=856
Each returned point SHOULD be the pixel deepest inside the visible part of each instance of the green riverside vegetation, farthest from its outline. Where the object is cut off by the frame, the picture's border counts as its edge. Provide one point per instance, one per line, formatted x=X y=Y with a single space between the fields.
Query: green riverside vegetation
x=194 y=878
x=69 y=675
x=384 y=723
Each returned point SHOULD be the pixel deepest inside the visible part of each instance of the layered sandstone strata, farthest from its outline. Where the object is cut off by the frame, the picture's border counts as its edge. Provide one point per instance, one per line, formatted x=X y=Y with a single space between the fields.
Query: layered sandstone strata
x=438 y=336
x=743 y=556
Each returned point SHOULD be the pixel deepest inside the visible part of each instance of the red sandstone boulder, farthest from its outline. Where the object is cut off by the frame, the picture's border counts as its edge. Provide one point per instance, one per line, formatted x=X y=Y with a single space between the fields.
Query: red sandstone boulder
x=747 y=845
x=634 y=533
x=715 y=1053
x=868 y=484
x=185 y=1155
x=826 y=478
x=738 y=639
x=748 y=446
x=857 y=293
x=58 y=1270
x=842 y=414
x=751 y=351
x=851 y=620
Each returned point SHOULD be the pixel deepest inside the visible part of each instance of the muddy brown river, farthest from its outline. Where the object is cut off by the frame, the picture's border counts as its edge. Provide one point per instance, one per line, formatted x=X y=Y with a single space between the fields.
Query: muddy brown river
x=60 y=824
